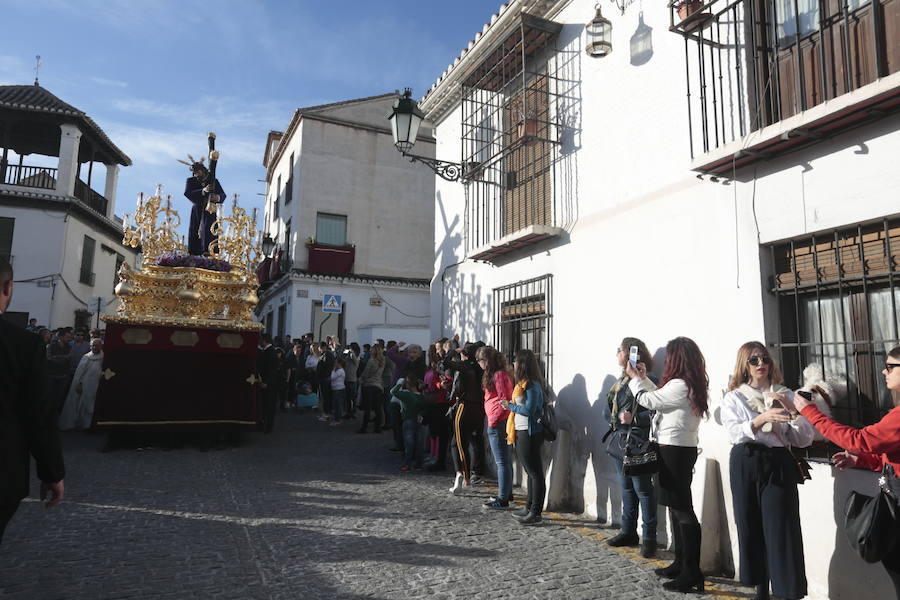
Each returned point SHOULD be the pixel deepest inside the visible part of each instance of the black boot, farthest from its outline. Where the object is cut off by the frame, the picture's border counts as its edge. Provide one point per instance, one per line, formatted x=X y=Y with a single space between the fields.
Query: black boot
x=691 y=577
x=762 y=591
x=672 y=571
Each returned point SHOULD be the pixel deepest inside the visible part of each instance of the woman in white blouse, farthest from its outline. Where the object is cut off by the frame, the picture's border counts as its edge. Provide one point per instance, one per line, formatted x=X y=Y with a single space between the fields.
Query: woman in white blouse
x=679 y=402
x=764 y=475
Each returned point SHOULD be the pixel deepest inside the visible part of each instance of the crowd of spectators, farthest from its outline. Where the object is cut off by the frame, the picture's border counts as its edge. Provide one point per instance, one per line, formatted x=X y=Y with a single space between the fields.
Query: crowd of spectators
x=74 y=359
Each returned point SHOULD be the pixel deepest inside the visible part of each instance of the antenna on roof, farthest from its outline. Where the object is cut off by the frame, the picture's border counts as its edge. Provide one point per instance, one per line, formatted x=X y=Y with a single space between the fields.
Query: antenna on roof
x=37 y=67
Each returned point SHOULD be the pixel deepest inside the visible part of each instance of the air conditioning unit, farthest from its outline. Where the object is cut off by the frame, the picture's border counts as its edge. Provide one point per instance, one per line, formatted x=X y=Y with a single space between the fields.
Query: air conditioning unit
x=375 y=301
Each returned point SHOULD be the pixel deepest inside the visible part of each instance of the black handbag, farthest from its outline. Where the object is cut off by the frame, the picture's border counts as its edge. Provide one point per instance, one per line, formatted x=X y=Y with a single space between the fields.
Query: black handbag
x=871 y=522
x=619 y=439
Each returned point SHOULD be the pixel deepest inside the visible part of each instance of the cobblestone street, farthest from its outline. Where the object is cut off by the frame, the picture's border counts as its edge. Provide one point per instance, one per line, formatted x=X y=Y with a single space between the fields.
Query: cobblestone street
x=307 y=512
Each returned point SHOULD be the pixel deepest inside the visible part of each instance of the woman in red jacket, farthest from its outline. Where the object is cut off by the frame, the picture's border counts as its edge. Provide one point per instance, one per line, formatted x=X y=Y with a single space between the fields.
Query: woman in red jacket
x=871 y=447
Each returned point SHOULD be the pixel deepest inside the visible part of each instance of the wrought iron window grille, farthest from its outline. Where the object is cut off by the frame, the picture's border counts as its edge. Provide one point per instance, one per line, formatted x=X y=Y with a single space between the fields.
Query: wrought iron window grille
x=524 y=319
x=837 y=299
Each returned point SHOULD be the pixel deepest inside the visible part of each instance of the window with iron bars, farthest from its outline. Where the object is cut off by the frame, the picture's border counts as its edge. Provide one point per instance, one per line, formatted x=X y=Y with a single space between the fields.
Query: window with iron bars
x=524 y=320
x=510 y=128
x=838 y=297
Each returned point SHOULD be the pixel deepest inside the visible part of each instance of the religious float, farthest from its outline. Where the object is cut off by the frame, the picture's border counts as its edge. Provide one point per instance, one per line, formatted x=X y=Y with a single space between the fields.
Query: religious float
x=181 y=350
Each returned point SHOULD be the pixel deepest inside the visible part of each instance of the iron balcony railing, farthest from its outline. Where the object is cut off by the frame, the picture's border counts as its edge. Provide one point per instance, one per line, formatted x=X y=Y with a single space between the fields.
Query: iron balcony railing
x=28 y=176
x=90 y=197
x=753 y=63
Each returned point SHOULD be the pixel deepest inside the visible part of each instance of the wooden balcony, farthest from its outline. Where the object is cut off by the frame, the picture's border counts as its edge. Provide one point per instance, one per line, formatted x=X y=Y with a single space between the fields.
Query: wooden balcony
x=761 y=83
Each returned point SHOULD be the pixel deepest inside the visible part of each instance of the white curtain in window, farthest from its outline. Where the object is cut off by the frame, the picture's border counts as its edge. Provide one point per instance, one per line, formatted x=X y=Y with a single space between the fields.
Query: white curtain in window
x=827 y=334
x=786 y=17
x=331 y=229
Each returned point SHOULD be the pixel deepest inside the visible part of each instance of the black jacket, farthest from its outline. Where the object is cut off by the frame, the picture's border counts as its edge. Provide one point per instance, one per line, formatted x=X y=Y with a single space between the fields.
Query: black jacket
x=466 y=380
x=27 y=415
x=267 y=366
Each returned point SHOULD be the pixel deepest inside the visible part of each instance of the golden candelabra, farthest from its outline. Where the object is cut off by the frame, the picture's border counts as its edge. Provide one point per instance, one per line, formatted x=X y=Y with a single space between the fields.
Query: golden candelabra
x=189 y=295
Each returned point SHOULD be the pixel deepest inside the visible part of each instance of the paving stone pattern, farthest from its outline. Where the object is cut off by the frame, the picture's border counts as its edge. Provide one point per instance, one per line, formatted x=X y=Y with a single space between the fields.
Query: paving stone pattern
x=308 y=512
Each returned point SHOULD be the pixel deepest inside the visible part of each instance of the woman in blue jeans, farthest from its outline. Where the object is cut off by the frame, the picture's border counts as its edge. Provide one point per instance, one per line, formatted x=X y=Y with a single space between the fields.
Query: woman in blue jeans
x=497 y=385
x=638 y=489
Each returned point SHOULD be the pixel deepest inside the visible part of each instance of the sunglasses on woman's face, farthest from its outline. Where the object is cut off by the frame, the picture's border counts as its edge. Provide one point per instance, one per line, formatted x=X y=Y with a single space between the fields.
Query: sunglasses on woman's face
x=889 y=366
x=755 y=360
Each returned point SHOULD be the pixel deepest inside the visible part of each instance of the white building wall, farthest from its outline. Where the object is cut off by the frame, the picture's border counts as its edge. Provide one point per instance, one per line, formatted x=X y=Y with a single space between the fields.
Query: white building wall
x=47 y=244
x=656 y=253
x=403 y=314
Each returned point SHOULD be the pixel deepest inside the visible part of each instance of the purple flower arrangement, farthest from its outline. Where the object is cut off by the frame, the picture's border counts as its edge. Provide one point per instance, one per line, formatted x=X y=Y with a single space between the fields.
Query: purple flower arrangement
x=177 y=259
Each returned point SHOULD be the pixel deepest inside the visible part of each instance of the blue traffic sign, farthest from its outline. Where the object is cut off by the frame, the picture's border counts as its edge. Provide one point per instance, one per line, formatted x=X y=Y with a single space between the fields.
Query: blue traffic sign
x=331 y=303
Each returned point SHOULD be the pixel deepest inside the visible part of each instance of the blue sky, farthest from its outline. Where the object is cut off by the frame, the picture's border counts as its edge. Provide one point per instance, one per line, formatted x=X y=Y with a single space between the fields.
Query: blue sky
x=157 y=75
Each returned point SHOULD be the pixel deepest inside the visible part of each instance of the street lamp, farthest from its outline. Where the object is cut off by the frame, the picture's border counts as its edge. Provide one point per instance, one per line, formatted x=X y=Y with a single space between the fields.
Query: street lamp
x=268 y=244
x=405 y=118
x=599 y=35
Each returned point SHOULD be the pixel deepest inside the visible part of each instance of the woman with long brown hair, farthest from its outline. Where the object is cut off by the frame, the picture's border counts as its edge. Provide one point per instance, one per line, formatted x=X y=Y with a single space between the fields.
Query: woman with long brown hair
x=680 y=402
x=764 y=475
x=527 y=405
x=498 y=387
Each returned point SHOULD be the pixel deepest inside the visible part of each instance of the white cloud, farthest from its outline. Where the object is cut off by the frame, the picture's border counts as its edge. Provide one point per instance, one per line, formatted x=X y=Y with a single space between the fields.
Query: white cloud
x=147 y=146
x=210 y=113
x=109 y=82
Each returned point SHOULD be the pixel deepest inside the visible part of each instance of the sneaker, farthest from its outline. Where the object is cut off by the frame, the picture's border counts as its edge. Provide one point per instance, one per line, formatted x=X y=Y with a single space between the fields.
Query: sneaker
x=396 y=449
x=496 y=503
x=523 y=512
x=334 y=423
x=624 y=539
x=460 y=485
x=322 y=419
x=476 y=480
x=404 y=468
x=648 y=548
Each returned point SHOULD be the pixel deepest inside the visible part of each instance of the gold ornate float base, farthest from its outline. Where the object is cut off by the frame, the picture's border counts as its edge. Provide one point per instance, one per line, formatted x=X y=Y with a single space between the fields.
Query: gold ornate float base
x=186 y=296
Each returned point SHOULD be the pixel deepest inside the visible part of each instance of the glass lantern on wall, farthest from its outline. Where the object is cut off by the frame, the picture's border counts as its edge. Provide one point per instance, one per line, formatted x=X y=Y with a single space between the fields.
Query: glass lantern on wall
x=599 y=35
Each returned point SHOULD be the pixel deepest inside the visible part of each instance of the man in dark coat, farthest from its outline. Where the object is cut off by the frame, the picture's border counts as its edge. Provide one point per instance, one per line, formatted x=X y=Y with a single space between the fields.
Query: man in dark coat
x=201 y=193
x=267 y=371
x=27 y=414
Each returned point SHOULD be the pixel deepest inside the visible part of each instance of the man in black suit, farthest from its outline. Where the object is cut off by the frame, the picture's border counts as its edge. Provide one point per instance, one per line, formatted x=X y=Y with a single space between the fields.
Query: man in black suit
x=27 y=414
x=267 y=371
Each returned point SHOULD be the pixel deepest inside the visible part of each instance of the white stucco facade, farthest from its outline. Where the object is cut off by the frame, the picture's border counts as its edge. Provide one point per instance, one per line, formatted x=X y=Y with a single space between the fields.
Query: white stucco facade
x=50 y=205
x=655 y=252
x=339 y=160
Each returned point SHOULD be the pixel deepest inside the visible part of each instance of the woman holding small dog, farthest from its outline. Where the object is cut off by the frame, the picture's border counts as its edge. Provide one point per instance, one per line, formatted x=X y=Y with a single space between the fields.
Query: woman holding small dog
x=764 y=476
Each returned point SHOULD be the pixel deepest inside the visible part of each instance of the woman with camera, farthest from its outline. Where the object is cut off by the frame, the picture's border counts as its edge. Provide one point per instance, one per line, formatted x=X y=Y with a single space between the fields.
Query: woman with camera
x=679 y=402
x=636 y=489
x=876 y=447
x=764 y=475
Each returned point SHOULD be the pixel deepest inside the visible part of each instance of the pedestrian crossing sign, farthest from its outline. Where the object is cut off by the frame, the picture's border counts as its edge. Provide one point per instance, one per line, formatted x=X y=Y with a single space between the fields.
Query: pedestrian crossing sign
x=331 y=303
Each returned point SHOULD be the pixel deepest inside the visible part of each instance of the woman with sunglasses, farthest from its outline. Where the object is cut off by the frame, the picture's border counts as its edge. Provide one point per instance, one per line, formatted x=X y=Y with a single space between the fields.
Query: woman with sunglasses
x=680 y=402
x=764 y=476
x=875 y=447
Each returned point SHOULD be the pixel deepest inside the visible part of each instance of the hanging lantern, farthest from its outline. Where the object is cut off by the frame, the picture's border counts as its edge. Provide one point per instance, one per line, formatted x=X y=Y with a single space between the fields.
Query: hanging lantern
x=405 y=118
x=641 y=42
x=599 y=35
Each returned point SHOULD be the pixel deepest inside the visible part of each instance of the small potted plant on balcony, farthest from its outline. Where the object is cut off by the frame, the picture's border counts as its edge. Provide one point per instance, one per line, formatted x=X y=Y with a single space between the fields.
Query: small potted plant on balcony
x=691 y=15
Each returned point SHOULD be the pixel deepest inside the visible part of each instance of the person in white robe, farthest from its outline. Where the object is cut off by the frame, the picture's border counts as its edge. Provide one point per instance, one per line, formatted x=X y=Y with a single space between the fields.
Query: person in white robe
x=79 y=407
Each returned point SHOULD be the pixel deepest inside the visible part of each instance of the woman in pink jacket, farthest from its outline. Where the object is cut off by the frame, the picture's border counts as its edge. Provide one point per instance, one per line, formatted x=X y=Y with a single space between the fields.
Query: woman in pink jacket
x=498 y=386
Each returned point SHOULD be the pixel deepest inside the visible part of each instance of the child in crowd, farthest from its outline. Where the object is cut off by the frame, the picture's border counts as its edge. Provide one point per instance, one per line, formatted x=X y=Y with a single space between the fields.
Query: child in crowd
x=338 y=388
x=413 y=407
